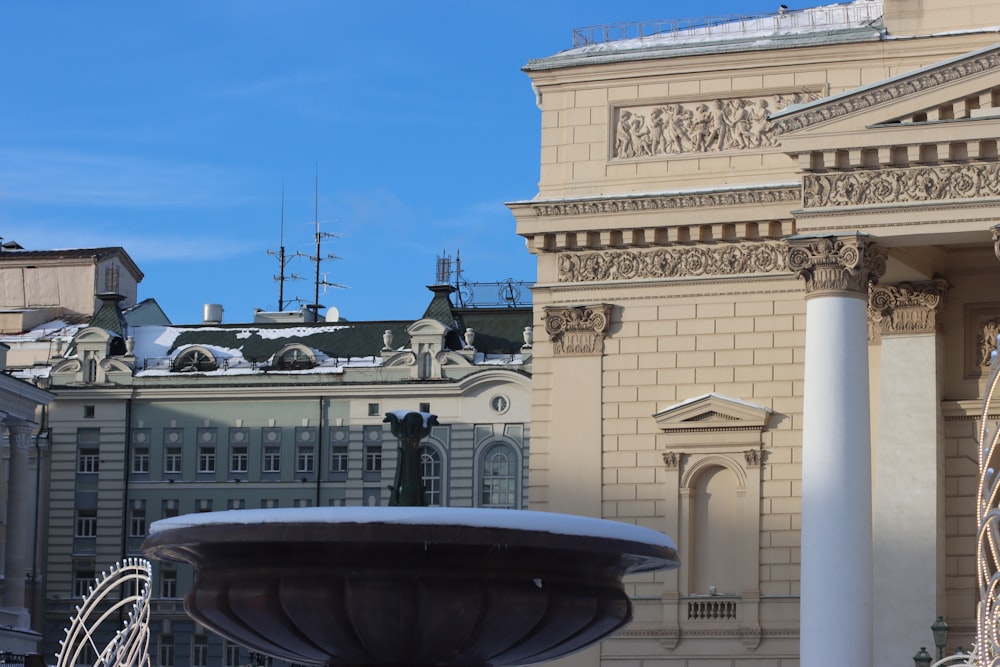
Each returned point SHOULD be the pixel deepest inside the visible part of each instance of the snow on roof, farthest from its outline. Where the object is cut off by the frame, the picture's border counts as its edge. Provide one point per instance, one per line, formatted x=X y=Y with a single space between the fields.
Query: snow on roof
x=48 y=330
x=558 y=524
x=844 y=21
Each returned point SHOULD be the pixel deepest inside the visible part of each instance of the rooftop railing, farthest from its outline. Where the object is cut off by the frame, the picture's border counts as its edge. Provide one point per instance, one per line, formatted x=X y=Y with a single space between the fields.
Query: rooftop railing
x=732 y=25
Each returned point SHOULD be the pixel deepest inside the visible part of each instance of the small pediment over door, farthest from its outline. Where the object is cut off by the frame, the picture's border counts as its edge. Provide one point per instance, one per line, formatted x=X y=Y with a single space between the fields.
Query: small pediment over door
x=713 y=420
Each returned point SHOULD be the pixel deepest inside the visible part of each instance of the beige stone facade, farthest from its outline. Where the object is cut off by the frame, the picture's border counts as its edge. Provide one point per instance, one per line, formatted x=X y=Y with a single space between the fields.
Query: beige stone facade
x=692 y=197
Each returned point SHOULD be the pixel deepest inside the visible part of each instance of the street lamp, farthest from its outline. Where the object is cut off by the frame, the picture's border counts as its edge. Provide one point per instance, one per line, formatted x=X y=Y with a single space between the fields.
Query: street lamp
x=940 y=631
x=922 y=658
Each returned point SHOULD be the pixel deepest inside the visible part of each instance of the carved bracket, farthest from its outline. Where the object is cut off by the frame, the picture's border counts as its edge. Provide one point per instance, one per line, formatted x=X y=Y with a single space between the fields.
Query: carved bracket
x=577 y=330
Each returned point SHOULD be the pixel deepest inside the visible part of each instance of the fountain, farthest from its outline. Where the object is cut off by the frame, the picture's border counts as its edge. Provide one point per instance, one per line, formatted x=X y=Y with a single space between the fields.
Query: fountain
x=409 y=585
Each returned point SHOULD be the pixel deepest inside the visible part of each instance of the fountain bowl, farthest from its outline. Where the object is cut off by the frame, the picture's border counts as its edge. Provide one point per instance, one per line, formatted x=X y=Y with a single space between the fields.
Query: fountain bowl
x=409 y=585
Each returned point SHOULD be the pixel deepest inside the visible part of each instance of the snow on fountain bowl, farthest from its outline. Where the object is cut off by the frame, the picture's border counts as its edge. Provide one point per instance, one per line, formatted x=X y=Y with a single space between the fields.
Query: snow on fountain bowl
x=409 y=585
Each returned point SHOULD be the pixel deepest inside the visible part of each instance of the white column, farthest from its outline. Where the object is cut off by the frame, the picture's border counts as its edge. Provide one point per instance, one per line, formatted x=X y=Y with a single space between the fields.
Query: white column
x=19 y=506
x=836 y=568
x=909 y=468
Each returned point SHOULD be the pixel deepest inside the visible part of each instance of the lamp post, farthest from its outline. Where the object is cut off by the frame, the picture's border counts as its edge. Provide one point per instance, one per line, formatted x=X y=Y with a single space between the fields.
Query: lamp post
x=940 y=631
x=922 y=658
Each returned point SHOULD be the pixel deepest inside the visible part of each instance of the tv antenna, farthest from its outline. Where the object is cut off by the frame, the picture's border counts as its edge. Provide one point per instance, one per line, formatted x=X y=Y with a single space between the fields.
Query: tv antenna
x=283 y=260
x=319 y=258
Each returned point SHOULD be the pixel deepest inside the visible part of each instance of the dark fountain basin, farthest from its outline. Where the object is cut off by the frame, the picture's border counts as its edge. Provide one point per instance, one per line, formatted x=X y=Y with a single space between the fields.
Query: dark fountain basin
x=409 y=585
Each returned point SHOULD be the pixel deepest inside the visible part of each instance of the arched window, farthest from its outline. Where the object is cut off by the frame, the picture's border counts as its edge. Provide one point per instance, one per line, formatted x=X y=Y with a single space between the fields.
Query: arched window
x=430 y=473
x=294 y=357
x=194 y=359
x=499 y=477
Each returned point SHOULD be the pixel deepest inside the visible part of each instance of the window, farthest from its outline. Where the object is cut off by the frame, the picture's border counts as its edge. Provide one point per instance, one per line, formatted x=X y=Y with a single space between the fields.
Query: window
x=83 y=579
x=140 y=460
x=373 y=458
x=166 y=651
x=172 y=461
x=88 y=461
x=203 y=505
x=272 y=458
x=269 y=503
x=338 y=458
x=86 y=523
x=303 y=502
x=137 y=519
x=430 y=472
x=168 y=583
x=294 y=357
x=232 y=655
x=199 y=652
x=88 y=412
x=499 y=477
x=169 y=509
x=196 y=359
x=425 y=407
x=373 y=410
x=238 y=458
x=305 y=458
x=206 y=458
x=237 y=503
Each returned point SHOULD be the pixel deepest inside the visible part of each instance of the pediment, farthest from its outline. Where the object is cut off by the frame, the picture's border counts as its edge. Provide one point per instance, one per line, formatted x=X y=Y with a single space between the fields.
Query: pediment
x=713 y=412
x=427 y=327
x=964 y=92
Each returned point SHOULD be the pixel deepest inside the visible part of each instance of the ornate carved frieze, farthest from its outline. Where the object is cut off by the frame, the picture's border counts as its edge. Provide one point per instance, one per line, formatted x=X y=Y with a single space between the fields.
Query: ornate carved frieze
x=887 y=92
x=577 y=330
x=833 y=265
x=897 y=186
x=627 y=204
x=729 y=259
x=723 y=124
x=905 y=308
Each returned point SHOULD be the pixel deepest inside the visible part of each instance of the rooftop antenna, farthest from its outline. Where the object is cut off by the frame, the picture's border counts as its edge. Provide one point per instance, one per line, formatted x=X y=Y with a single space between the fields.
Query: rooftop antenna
x=318 y=258
x=282 y=258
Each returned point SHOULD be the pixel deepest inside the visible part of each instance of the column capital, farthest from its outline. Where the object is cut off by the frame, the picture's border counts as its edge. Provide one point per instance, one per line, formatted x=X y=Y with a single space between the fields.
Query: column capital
x=19 y=431
x=906 y=308
x=836 y=265
x=577 y=330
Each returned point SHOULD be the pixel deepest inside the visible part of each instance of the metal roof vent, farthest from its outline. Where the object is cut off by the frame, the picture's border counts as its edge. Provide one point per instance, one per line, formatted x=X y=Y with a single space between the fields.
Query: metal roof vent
x=212 y=313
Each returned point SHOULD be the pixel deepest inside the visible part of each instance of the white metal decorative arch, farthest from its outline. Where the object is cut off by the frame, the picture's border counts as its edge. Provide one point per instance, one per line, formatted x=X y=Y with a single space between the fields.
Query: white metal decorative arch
x=123 y=590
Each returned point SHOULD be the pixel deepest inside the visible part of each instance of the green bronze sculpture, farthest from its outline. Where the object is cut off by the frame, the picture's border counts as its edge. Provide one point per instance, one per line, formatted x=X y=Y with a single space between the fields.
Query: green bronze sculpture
x=410 y=428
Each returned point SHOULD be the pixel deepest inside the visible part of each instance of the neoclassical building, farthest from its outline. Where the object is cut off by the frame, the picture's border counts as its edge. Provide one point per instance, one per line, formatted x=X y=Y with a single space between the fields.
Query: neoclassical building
x=769 y=293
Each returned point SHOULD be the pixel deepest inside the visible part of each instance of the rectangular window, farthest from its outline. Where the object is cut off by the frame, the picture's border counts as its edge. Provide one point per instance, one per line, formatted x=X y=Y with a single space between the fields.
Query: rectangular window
x=373 y=458
x=206 y=458
x=203 y=505
x=88 y=461
x=137 y=519
x=425 y=407
x=232 y=655
x=86 y=523
x=373 y=410
x=199 y=652
x=269 y=503
x=172 y=461
x=83 y=579
x=166 y=651
x=237 y=503
x=272 y=458
x=305 y=458
x=238 y=459
x=168 y=583
x=88 y=412
x=303 y=502
x=140 y=460
x=338 y=458
x=170 y=508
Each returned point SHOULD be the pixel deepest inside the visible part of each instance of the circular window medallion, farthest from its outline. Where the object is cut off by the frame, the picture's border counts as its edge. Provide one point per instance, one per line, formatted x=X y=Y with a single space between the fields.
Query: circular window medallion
x=499 y=404
x=239 y=436
x=140 y=437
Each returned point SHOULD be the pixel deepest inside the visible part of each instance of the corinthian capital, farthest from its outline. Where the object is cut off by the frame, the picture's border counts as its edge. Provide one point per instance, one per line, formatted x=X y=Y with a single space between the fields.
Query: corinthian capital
x=834 y=265
x=906 y=308
x=577 y=329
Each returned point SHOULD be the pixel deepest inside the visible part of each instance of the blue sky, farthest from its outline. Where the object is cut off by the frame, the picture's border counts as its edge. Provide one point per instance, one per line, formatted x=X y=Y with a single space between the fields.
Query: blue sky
x=169 y=129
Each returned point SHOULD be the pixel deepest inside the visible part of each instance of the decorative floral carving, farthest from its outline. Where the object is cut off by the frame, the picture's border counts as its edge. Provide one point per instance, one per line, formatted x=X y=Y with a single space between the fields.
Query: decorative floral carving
x=673 y=262
x=887 y=92
x=894 y=186
x=627 y=204
x=699 y=127
x=671 y=459
x=577 y=329
x=831 y=264
x=905 y=308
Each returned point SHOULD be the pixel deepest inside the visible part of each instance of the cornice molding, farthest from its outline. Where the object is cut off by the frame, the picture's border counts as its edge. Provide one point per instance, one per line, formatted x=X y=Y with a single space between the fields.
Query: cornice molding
x=724 y=259
x=671 y=201
x=925 y=80
x=899 y=186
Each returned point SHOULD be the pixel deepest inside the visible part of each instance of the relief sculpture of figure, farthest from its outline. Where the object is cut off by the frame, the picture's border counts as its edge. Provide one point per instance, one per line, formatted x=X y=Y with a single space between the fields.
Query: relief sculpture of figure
x=623 y=137
x=718 y=134
x=739 y=120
